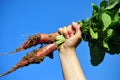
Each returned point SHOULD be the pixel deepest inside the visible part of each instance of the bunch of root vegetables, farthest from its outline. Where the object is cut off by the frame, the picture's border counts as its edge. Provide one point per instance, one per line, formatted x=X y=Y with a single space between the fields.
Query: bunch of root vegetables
x=101 y=31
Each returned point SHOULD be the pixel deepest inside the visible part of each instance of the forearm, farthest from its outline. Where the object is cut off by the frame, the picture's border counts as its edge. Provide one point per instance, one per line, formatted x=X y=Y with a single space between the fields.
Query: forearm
x=70 y=65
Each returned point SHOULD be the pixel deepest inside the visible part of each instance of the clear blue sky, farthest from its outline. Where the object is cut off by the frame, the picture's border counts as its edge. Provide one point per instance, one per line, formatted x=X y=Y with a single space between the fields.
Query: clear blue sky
x=20 y=19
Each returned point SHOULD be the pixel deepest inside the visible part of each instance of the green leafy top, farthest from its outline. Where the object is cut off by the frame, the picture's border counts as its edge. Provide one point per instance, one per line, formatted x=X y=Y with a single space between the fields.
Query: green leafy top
x=101 y=31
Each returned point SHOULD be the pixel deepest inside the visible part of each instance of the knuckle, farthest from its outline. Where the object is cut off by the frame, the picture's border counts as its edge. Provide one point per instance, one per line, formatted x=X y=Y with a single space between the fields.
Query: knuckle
x=60 y=30
x=65 y=30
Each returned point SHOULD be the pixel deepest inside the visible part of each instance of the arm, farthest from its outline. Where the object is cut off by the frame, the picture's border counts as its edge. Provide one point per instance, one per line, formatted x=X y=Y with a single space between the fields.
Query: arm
x=70 y=64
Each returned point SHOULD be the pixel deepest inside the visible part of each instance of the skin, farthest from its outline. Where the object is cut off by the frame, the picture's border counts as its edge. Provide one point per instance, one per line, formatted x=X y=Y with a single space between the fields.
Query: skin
x=70 y=65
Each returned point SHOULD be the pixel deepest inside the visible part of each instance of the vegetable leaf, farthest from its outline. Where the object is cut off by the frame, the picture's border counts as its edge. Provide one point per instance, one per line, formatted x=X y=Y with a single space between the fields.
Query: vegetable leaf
x=102 y=30
x=113 y=3
x=106 y=20
x=93 y=34
x=106 y=45
x=97 y=53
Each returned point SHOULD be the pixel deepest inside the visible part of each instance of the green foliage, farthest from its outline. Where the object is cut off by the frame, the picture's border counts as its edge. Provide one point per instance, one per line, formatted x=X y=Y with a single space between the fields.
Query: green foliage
x=102 y=30
x=106 y=20
x=97 y=53
x=93 y=34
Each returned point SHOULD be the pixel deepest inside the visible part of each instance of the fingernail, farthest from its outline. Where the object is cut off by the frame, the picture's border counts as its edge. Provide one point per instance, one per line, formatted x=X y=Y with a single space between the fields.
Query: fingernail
x=74 y=22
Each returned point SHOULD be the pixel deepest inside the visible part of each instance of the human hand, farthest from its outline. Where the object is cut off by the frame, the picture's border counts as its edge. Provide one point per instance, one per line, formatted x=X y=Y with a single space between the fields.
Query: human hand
x=70 y=63
x=72 y=33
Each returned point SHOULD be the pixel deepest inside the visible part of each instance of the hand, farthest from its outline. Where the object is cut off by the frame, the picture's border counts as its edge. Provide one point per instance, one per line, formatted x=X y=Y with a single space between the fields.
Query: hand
x=73 y=35
x=70 y=64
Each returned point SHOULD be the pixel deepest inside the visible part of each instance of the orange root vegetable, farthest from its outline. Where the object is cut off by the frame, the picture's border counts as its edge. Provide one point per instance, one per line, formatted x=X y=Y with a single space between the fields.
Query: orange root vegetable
x=38 y=39
x=34 y=40
x=38 y=55
x=35 y=57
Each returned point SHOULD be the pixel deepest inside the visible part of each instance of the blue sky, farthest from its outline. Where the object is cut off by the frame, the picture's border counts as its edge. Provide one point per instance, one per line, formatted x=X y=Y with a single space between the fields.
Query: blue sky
x=20 y=19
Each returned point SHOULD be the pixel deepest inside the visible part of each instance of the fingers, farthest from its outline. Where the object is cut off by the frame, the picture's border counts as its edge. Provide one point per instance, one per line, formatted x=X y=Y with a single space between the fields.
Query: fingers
x=66 y=31
x=77 y=29
x=60 y=30
x=70 y=30
x=75 y=26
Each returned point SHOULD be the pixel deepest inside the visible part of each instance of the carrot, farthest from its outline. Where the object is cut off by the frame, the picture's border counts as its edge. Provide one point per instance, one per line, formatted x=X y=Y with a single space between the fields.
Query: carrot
x=37 y=55
x=37 y=39
x=34 y=40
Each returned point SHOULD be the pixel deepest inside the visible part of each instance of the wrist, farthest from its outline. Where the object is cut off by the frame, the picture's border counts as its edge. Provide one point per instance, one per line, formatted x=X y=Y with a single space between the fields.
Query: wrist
x=67 y=51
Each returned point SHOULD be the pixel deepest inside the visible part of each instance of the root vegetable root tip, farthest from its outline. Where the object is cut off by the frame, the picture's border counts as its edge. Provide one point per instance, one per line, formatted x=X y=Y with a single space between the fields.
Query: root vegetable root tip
x=35 y=56
x=7 y=53
x=5 y=73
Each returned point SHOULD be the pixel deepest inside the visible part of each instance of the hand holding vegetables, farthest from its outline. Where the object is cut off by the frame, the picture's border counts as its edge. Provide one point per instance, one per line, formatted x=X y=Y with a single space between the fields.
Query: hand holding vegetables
x=73 y=35
x=70 y=64
x=38 y=55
